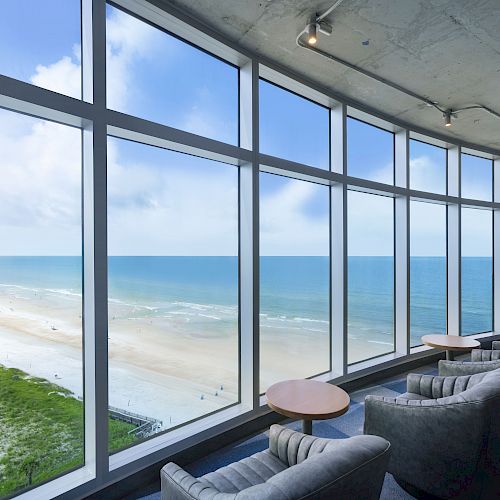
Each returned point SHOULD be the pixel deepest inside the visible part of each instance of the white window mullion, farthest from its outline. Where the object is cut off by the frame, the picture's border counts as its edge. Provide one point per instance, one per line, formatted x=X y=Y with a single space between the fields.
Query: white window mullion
x=401 y=244
x=496 y=246
x=453 y=245
x=338 y=246
x=249 y=237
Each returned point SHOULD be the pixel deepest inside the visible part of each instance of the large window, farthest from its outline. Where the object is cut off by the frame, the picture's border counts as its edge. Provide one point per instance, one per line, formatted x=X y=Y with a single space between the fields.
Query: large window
x=427 y=167
x=173 y=288
x=427 y=270
x=41 y=376
x=294 y=298
x=477 y=271
x=477 y=177
x=293 y=127
x=156 y=76
x=370 y=275
x=370 y=152
x=40 y=43
x=152 y=270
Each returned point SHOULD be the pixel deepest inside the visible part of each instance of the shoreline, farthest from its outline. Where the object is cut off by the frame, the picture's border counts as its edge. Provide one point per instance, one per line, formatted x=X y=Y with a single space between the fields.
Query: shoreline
x=160 y=367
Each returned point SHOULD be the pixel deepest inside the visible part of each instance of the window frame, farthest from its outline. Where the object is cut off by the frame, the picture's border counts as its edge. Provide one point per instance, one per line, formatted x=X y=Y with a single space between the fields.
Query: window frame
x=97 y=122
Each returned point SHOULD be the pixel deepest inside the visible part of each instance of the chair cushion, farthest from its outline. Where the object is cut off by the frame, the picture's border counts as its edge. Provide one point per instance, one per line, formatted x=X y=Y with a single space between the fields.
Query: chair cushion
x=250 y=471
x=412 y=395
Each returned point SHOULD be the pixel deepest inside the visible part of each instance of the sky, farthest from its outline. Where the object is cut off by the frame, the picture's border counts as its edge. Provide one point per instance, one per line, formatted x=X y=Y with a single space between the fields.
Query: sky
x=167 y=203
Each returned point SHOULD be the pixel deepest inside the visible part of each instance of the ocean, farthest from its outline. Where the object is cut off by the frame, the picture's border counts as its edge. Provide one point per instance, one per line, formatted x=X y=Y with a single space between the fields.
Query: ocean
x=294 y=293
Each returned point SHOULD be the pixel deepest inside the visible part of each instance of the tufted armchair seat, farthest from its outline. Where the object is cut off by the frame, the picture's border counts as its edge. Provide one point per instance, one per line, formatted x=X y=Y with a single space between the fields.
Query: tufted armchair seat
x=444 y=433
x=295 y=466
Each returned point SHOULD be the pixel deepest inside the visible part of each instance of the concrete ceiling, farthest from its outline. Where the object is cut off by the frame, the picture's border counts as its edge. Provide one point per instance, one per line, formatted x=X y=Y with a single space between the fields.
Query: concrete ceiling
x=446 y=50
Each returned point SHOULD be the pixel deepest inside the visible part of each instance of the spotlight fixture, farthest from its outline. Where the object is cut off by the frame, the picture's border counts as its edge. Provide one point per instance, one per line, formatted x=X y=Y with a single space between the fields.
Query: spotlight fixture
x=313 y=28
x=312 y=33
x=447 y=118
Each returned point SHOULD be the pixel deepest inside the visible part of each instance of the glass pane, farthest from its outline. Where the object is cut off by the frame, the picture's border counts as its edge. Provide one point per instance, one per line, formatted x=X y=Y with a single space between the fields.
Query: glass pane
x=293 y=127
x=477 y=177
x=40 y=43
x=173 y=289
x=477 y=271
x=370 y=152
x=294 y=287
x=427 y=270
x=427 y=167
x=41 y=383
x=370 y=276
x=156 y=76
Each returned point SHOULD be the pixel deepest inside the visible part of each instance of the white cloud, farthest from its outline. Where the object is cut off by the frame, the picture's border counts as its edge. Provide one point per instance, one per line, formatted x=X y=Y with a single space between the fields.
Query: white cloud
x=370 y=224
x=428 y=229
x=62 y=76
x=476 y=188
x=129 y=40
x=40 y=192
x=427 y=175
x=171 y=210
x=476 y=233
x=206 y=123
x=287 y=228
x=152 y=210
x=384 y=174
x=40 y=188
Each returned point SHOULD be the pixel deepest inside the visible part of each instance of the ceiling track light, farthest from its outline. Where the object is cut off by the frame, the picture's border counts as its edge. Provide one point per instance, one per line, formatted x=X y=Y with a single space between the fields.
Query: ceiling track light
x=312 y=33
x=317 y=25
x=313 y=28
x=447 y=118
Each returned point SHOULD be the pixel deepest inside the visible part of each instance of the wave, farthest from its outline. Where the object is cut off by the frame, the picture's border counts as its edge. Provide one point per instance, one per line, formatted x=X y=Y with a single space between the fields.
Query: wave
x=134 y=306
x=36 y=290
x=19 y=287
x=210 y=316
x=379 y=342
x=323 y=321
x=63 y=291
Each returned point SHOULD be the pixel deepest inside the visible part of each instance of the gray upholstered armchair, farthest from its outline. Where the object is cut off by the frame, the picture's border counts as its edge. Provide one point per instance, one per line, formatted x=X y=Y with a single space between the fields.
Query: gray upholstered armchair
x=482 y=360
x=444 y=433
x=295 y=466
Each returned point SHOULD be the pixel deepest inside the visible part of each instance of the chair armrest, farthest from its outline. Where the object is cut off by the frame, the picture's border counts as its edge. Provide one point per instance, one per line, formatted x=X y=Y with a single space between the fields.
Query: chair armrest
x=495 y=345
x=177 y=484
x=460 y=368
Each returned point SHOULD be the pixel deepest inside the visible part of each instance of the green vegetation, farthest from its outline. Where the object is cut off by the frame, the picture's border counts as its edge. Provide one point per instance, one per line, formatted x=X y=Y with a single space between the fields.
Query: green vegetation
x=42 y=431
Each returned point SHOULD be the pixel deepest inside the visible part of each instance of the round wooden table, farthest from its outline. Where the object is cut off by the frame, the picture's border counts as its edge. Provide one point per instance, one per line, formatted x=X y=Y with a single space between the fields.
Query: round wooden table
x=307 y=400
x=451 y=343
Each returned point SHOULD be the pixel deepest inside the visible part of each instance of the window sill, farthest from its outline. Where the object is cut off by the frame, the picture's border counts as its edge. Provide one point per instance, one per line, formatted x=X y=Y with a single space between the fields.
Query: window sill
x=59 y=485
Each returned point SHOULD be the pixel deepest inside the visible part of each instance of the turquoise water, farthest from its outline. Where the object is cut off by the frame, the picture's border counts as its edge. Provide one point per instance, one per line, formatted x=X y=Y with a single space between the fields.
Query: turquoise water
x=294 y=291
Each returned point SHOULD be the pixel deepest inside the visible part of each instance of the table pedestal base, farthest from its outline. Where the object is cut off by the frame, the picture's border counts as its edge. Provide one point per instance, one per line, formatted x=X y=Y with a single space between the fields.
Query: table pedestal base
x=307 y=427
x=450 y=355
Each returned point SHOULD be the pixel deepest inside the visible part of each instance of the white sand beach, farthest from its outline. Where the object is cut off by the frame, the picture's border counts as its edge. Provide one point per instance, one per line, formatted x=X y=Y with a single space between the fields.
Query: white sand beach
x=152 y=371
x=168 y=368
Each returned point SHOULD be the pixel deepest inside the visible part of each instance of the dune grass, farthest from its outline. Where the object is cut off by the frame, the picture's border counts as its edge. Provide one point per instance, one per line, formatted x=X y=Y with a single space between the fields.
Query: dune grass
x=42 y=430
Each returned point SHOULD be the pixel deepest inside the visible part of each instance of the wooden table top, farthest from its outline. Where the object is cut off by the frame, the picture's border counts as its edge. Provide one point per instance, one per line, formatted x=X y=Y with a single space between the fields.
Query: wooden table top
x=450 y=342
x=307 y=399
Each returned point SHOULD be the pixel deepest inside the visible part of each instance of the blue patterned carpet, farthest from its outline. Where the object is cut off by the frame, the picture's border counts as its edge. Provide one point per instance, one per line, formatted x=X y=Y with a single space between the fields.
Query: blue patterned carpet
x=349 y=424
